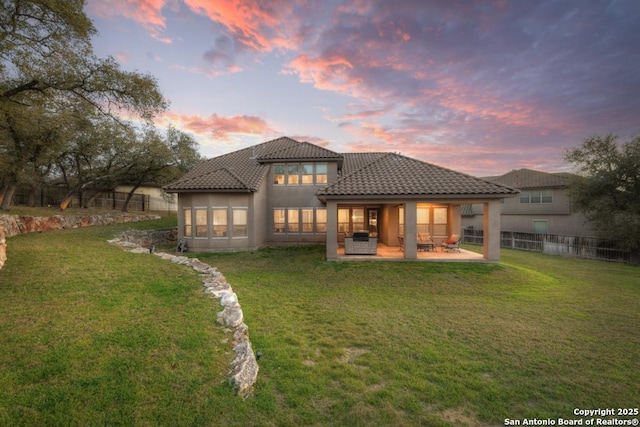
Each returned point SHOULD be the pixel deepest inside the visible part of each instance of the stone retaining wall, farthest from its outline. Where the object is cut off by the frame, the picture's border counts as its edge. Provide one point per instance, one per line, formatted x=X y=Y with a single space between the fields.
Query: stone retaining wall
x=150 y=238
x=12 y=225
x=244 y=367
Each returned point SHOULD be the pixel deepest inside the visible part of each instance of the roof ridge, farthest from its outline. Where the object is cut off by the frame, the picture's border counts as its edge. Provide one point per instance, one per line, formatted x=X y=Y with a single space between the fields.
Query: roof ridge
x=230 y=172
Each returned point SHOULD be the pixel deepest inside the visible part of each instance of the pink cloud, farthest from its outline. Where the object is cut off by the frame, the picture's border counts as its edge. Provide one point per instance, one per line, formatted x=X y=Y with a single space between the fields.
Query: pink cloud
x=218 y=127
x=148 y=13
x=256 y=25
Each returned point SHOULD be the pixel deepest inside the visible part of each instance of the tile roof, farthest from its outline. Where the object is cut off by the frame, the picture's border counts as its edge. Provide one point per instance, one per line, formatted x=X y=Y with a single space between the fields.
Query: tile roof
x=390 y=174
x=244 y=170
x=362 y=174
x=527 y=178
x=299 y=151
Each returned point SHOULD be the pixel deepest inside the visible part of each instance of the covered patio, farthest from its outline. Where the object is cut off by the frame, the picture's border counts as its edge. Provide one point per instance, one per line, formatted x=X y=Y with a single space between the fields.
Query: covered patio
x=396 y=253
x=399 y=198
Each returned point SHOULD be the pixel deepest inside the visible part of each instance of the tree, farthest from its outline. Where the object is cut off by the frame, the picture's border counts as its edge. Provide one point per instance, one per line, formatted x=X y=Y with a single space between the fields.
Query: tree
x=159 y=160
x=47 y=63
x=608 y=189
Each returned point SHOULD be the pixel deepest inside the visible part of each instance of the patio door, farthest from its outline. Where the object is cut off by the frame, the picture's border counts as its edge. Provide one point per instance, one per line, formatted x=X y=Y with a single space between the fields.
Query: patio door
x=373 y=222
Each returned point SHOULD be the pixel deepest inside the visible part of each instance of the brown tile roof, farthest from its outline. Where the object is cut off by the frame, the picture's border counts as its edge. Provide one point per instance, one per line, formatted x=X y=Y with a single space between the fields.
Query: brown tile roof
x=299 y=151
x=362 y=174
x=244 y=170
x=527 y=178
x=390 y=174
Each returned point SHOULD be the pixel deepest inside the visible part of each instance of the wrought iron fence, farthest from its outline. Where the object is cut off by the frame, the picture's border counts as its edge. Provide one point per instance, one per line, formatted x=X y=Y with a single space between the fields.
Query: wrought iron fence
x=554 y=244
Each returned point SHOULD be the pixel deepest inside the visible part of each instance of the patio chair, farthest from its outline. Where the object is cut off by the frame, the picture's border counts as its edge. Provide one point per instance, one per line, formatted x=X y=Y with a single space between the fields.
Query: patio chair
x=401 y=240
x=452 y=244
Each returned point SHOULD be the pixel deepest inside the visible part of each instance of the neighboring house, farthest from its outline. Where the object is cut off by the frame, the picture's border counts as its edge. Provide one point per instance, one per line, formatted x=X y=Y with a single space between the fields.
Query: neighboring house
x=158 y=199
x=543 y=205
x=285 y=191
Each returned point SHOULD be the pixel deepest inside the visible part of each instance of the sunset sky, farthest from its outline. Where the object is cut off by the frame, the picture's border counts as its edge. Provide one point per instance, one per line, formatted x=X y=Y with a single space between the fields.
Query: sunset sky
x=482 y=87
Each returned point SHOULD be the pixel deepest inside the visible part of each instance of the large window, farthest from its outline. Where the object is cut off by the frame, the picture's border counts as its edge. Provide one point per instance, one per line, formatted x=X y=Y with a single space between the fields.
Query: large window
x=219 y=216
x=307 y=220
x=300 y=173
x=429 y=219
x=239 y=222
x=187 y=223
x=278 y=174
x=439 y=221
x=293 y=220
x=297 y=220
x=423 y=224
x=202 y=229
x=307 y=173
x=321 y=220
x=321 y=173
x=350 y=220
x=293 y=176
x=278 y=220
x=536 y=196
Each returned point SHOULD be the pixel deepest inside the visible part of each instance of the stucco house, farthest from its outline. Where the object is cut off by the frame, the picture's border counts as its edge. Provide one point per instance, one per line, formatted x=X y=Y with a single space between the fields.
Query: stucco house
x=543 y=206
x=289 y=192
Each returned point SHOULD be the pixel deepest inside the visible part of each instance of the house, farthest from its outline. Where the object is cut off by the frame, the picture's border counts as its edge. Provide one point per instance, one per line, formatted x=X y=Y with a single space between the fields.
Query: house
x=158 y=199
x=544 y=205
x=289 y=192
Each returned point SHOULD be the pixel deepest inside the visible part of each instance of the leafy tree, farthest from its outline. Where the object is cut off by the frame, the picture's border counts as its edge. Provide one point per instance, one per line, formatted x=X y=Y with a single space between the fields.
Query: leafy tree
x=47 y=64
x=608 y=190
x=95 y=158
x=159 y=160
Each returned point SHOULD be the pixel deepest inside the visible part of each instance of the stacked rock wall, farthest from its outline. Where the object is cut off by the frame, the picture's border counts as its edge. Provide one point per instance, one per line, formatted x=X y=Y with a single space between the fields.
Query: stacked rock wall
x=244 y=366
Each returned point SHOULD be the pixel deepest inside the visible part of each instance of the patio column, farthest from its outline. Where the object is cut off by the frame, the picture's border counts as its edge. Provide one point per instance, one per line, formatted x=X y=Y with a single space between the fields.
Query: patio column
x=410 y=230
x=491 y=230
x=332 y=230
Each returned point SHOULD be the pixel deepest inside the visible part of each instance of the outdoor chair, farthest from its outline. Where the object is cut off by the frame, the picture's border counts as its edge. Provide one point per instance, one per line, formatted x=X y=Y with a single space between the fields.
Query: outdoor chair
x=401 y=240
x=452 y=244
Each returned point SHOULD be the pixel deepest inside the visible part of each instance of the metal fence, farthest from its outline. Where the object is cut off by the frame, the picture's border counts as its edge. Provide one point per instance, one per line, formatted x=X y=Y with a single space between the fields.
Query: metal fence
x=554 y=244
x=53 y=196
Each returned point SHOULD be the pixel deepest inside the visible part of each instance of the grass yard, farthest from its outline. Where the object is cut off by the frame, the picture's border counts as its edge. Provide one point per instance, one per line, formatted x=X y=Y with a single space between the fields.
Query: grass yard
x=92 y=335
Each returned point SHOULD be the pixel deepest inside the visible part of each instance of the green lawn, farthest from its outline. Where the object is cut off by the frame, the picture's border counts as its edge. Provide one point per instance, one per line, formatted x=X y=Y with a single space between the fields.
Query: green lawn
x=92 y=335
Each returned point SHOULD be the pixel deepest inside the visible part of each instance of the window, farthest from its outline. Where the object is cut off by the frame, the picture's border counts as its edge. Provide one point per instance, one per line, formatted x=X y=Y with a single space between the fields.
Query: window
x=321 y=220
x=343 y=220
x=357 y=217
x=307 y=220
x=321 y=173
x=440 y=221
x=540 y=226
x=278 y=174
x=292 y=174
x=293 y=221
x=219 y=216
x=423 y=222
x=307 y=173
x=401 y=221
x=537 y=196
x=239 y=222
x=278 y=221
x=187 y=223
x=201 y=223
